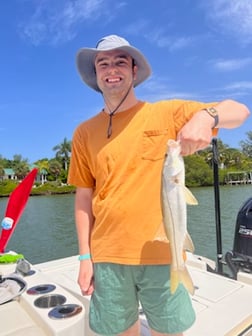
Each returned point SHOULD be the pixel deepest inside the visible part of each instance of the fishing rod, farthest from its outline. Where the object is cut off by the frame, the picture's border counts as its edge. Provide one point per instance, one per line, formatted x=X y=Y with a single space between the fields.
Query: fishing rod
x=215 y=161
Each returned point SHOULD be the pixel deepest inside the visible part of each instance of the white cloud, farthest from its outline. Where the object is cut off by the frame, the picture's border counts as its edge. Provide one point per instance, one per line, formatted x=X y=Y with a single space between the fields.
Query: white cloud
x=157 y=88
x=138 y=27
x=236 y=90
x=232 y=17
x=231 y=64
x=57 y=22
x=181 y=43
x=172 y=43
x=243 y=85
x=159 y=36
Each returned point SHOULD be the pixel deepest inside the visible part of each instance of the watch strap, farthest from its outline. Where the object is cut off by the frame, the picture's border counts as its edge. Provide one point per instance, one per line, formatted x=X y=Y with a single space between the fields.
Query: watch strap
x=214 y=114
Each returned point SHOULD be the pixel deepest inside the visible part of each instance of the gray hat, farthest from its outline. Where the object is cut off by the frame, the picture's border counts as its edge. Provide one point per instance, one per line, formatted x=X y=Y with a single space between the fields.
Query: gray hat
x=86 y=58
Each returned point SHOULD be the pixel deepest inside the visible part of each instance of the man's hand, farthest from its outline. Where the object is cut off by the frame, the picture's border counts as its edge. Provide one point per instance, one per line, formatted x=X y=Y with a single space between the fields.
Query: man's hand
x=86 y=277
x=196 y=133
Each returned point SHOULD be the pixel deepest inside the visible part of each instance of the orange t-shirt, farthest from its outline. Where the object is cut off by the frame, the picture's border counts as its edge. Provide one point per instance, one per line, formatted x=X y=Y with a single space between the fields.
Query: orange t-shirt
x=125 y=173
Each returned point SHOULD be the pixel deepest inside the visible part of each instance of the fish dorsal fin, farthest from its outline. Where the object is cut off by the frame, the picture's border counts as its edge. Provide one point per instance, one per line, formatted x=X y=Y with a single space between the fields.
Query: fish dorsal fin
x=190 y=199
x=188 y=243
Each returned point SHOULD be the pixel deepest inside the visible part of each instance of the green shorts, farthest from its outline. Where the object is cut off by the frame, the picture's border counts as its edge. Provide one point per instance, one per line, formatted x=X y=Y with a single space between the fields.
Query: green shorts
x=114 y=305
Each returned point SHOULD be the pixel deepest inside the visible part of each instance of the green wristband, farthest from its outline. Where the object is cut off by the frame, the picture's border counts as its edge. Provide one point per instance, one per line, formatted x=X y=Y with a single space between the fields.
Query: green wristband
x=84 y=256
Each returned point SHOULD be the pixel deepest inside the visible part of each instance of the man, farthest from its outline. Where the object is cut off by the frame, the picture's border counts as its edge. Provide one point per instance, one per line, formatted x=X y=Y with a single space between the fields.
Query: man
x=116 y=165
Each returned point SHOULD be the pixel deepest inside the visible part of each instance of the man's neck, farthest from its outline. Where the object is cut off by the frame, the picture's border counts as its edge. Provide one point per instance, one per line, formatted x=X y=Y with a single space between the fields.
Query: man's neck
x=112 y=103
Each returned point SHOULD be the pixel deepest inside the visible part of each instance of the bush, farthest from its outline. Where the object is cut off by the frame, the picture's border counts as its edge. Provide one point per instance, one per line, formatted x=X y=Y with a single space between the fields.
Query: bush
x=197 y=172
x=7 y=186
x=49 y=188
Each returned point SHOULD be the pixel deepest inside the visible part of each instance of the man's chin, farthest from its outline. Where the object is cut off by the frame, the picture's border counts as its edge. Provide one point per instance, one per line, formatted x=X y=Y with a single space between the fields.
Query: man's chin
x=113 y=89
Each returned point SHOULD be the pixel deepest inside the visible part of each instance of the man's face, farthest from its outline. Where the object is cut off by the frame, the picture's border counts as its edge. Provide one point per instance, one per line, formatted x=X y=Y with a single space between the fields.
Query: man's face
x=114 y=71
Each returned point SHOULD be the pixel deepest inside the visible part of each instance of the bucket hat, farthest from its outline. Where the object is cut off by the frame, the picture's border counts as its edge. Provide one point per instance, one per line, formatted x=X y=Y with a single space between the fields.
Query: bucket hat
x=86 y=57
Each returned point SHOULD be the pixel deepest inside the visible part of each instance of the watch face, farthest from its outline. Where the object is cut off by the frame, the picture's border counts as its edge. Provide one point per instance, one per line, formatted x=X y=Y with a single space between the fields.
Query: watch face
x=213 y=111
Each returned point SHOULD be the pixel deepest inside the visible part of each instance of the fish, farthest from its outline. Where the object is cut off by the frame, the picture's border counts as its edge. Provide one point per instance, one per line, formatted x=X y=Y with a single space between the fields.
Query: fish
x=174 y=199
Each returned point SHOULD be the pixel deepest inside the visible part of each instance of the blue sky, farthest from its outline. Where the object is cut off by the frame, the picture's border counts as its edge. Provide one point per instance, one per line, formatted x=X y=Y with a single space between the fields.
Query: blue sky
x=198 y=50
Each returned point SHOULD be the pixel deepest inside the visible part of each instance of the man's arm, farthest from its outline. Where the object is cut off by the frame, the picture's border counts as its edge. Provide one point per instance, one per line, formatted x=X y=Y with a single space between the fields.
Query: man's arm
x=196 y=134
x=84 y=222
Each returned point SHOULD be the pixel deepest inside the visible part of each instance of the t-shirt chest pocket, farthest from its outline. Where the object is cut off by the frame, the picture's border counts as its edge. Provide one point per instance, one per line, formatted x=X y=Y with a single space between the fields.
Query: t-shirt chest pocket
x=154 y=144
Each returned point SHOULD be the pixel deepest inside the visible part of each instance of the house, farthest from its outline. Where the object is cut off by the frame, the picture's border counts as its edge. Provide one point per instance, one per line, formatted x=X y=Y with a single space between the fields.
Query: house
x=9 y=174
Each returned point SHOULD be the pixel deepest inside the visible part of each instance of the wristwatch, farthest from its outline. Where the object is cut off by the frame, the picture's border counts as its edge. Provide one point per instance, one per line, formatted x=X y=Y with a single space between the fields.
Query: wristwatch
x=213 y=113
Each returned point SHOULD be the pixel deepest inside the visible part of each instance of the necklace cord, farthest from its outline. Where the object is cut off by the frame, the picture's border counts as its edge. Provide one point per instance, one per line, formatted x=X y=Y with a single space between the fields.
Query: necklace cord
x=111 y=114
x=109 y=130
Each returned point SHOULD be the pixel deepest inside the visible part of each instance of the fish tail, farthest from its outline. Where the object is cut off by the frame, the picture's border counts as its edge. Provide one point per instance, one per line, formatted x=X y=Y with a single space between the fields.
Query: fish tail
x=181 y=276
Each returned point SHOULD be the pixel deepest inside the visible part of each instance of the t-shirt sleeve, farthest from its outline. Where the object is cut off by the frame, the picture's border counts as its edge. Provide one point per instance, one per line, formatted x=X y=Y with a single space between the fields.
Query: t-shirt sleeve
x=79 y=170
x=186 y=109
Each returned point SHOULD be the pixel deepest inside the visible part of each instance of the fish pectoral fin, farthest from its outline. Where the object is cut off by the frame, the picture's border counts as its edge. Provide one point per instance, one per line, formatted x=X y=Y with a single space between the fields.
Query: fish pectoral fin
x=189 y=197
x=188 y=243
x=181 y=276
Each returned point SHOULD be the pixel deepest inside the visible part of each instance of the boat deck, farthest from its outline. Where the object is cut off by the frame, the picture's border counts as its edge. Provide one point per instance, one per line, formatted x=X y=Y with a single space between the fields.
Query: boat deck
x=223 y=306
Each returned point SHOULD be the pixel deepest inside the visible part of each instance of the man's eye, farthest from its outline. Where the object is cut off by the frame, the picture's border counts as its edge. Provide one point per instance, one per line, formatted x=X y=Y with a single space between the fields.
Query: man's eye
x=103 y=65
x=121 y=62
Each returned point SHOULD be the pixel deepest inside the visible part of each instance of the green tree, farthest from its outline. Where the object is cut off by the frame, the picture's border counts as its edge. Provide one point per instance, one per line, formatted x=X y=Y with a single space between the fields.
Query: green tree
x=1 y=172
x=63 y=151
x=43 y=166
x=20 y=166
x=207 y=154
x=198 y=172
x=234 y=159
x=246 y=145
x=5 y=163
x=54 y=168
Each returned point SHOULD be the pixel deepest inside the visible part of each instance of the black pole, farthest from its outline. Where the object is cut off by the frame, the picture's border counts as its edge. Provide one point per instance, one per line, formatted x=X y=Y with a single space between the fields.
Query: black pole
x=217 y=206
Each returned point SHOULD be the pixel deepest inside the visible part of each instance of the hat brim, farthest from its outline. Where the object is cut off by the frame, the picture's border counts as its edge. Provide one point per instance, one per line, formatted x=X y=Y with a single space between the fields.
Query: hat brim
x=85 y=65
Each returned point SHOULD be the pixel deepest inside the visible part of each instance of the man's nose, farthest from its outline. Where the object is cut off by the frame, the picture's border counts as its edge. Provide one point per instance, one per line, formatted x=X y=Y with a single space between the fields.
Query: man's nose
x=112 y=68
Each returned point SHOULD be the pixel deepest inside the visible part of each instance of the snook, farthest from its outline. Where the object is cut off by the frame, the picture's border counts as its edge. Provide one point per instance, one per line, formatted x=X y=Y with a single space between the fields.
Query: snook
x=174 y=196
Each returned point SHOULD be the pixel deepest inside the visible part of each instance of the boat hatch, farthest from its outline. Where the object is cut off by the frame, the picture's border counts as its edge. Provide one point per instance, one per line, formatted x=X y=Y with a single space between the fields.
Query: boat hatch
x=41 y=289
x=65 y=311
x=50 y=300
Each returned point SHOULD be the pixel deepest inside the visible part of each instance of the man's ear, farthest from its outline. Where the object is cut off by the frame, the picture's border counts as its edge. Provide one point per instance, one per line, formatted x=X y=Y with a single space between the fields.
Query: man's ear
x=134 y=71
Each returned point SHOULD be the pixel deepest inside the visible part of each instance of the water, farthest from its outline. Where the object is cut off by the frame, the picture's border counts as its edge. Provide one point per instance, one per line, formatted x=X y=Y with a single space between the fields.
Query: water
x=46 y=231
x=201 y=218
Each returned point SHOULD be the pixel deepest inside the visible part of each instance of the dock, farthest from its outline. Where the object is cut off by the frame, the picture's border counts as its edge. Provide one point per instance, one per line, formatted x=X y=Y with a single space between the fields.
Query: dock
x=238 y=178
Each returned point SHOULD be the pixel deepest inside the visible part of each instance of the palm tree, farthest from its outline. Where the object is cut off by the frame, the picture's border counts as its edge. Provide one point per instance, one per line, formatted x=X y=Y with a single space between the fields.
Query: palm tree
x=54 y=168
x=20 y=166
x=63 y=151
x=222 y=154
x=43 y=166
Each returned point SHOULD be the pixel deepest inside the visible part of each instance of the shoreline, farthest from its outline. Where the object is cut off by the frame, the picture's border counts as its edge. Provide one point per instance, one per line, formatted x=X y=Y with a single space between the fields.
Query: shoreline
x=46 y=191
